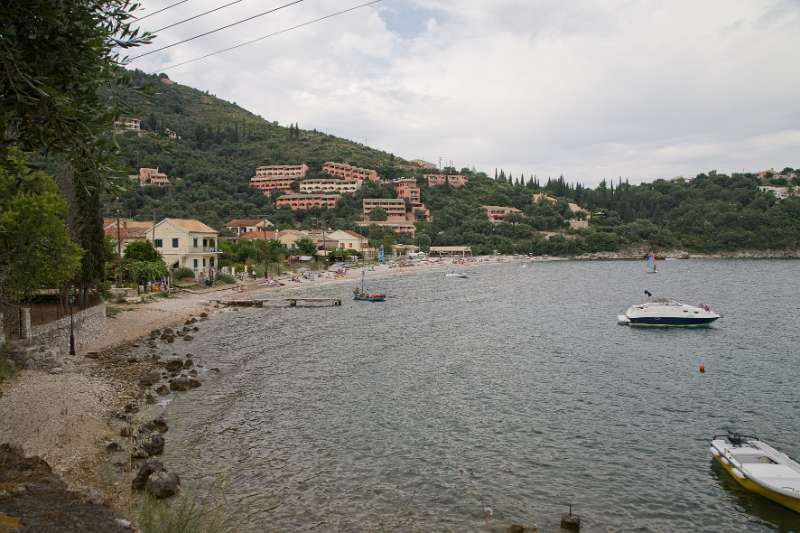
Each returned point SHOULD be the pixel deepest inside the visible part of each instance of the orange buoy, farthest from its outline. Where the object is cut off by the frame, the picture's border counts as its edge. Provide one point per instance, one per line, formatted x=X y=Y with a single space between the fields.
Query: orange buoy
x=702 y=368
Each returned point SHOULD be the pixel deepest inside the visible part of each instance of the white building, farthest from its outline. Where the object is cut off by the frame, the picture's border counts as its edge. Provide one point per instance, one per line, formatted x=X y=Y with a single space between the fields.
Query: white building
x=187 y=243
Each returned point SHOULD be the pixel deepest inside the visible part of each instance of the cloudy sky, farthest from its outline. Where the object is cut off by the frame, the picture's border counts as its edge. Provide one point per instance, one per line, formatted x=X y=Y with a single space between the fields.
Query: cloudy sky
x=588 y=89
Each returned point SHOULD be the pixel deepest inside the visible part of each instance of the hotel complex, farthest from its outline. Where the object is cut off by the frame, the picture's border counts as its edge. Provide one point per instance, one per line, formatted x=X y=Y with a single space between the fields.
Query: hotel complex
x=349 y=172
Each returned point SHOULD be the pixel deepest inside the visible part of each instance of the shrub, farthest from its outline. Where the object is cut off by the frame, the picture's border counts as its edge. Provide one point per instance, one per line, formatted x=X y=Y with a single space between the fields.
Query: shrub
x=226 y=278
x=182 y=273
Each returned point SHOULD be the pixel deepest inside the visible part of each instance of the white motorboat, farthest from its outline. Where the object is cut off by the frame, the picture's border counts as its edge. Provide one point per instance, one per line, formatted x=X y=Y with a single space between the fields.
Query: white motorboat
x=664 y=312
x=456 y=275
x=759 y=468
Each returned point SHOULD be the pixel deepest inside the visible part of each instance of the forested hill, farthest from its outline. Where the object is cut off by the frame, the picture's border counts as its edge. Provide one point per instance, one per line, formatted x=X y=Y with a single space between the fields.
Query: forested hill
x=219 y=148
x=221 y=144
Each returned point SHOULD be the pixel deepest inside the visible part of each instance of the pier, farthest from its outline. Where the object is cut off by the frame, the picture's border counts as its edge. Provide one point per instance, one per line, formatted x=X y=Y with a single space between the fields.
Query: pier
x=283 y=302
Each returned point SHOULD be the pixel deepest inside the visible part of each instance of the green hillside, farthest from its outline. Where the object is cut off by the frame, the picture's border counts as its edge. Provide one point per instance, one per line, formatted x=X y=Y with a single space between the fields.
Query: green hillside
x=219 y=148
x=221 y=144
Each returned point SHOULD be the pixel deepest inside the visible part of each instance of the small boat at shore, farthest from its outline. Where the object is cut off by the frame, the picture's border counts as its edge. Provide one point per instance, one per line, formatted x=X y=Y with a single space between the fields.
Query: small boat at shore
x=456 y=275
x=759 y=468
x=664 y=312
x=362 y=295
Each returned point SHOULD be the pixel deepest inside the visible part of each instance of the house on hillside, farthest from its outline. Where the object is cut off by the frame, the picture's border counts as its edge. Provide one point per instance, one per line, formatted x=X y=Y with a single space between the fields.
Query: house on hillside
x=150 y=177
x=395 y=208
x=454 y=180
x=187 y=243
x=781 y=193
x=297 y=202
x=496 y=213
x=421 y=163
x=237 y=226
x=123 y=124
x=329 y=186
x=399 y=227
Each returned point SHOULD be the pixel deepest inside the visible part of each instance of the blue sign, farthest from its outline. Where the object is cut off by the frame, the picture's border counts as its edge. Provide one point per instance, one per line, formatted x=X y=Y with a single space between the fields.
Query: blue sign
x=380 y=254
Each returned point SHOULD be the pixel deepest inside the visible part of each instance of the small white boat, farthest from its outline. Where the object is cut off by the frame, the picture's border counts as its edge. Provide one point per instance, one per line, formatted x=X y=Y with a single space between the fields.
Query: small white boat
x=759 y=468
x=664 y=312
x=456 y=275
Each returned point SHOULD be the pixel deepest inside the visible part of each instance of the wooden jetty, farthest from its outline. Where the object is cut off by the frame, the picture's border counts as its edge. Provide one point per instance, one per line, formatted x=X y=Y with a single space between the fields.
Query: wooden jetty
x=283 y=302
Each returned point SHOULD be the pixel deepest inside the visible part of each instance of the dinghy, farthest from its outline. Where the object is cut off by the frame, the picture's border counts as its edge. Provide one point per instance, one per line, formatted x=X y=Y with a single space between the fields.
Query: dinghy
x=759 y=468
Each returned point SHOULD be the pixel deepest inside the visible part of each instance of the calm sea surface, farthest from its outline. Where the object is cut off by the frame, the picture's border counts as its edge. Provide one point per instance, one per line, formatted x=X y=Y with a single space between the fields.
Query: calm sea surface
x=514 y=389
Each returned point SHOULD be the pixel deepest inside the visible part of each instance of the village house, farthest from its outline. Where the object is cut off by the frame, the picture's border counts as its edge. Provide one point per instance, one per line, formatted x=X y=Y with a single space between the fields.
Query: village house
x=129 y=231
x=540 y=197
x=186 y=243
x=150 y=177
x=395 y=208
x=496 y=213
x=399 y=227
x=420 y=163
x=128 y=124
x=329 y=186
x=268 y=184
x=781 y=193
x=349 y=172
x=576 y=224
x=297 y=202
x=173 y=135
x=237 y=226
x=454 y=180
x=349 y=240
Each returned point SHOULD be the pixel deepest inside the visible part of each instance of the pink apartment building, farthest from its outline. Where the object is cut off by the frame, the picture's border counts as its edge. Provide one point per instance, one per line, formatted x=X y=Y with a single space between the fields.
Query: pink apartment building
x=307 y=201
x=407 y=189
x=395 y=208
x=267 y=184
x=455 y=180
x=349 y=172
x=399 y=227
x=284 y=171
x=496 y=213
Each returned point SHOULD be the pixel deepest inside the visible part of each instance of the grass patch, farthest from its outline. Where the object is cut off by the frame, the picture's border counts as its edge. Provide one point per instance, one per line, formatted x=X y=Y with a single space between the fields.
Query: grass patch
x=7 y=366
x=183 y=514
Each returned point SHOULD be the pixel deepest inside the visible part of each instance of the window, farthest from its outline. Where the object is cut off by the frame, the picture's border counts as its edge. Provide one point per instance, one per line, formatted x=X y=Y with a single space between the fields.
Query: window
x=159 y=243
x=195 y=263
x=205 y=243
x=194 y=242
x=204 y=261
x=174 y=243
x=211 y=262
x=211 y=242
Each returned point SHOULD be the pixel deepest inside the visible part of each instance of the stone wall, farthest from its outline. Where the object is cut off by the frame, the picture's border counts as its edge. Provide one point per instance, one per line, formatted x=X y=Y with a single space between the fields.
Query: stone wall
x=48 y=344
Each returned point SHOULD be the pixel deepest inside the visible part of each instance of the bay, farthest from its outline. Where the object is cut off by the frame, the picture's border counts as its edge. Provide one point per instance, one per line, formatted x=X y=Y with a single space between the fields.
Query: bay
x=513 y=390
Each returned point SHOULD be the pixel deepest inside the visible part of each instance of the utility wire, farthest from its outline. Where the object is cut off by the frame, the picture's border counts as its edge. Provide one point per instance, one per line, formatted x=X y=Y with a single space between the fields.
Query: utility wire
x=162 y=9
x=273 y=10
x=196 y=16
x=240 y=45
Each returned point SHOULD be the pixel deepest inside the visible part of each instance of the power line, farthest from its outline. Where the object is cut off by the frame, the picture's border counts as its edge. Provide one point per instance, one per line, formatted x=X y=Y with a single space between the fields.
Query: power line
x=162 y=9
x=196 y=16
x=240 y=45
x=273 y=10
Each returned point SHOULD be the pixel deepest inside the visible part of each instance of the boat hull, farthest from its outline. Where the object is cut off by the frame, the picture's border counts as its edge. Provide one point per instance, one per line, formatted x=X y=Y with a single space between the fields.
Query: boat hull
x=674 y=322
x=752 y=486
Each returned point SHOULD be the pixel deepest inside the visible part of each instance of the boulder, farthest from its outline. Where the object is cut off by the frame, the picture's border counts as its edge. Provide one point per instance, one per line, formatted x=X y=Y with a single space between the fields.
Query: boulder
x=150 y=466
x=92 y=355
x=188 y=363
x=203 y=315
x=153 y=444
x=155 y=333
x=162 y=390
x=180 y=383
x=163 y=484
x=150 y=378
x=193 y=373
x=187 y=337
x=131 y=408
x=174 y=364
x=194 y=383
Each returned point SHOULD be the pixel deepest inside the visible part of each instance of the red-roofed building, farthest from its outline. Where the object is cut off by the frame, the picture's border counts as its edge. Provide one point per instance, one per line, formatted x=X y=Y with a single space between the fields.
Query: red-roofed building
x=496 y=213
x=349 y=172
x=307 y=201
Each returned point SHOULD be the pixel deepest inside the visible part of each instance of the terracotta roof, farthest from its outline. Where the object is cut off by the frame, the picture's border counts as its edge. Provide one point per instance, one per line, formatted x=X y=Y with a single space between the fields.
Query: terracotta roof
x=259 y=235
x=128 y=229
x=354 y=234
x=190 y=224
x=240 y=222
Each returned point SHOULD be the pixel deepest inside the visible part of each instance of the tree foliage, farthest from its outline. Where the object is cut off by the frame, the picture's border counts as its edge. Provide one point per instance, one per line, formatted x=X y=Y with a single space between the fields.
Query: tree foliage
x=35 y=247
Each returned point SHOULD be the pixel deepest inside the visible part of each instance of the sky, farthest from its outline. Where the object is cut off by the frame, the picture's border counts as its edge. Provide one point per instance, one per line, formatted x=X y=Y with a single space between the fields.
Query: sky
x=586 y=89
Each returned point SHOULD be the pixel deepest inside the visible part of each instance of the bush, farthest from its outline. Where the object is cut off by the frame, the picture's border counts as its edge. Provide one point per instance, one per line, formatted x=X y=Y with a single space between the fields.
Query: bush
x=182 y=273
x=226 y=278
x=183 y=515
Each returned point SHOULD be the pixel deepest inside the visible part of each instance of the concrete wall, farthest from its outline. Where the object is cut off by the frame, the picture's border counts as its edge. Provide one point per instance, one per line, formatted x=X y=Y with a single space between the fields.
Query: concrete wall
x=49 y=343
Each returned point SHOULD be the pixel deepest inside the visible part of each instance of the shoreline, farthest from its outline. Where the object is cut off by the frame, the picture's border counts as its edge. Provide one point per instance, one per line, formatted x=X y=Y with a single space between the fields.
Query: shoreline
x=69 y=417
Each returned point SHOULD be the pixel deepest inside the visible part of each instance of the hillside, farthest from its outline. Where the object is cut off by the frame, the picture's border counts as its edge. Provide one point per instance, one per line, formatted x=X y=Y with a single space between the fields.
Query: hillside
x=220 y=145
